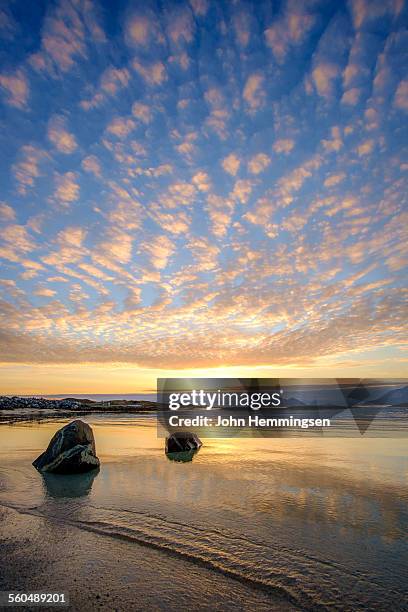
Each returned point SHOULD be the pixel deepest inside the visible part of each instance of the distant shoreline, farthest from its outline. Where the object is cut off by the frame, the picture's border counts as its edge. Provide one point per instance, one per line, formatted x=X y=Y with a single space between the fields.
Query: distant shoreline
x=22 y=408
x=148 y=395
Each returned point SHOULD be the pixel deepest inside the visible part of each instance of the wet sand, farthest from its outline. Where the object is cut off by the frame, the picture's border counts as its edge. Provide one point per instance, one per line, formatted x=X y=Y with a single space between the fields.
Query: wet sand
x=100 y=572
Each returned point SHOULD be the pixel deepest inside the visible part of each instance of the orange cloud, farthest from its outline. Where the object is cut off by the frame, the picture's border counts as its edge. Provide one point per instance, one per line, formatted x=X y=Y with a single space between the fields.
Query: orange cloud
x=324 y=75
x=284 y=145
x=401 y=96
x=231 y=164
x=16 y=86
x=258 y=163
x=120 y=127
x=58 y=134
x=153 y=74
x=67 y=188
x=253 y=93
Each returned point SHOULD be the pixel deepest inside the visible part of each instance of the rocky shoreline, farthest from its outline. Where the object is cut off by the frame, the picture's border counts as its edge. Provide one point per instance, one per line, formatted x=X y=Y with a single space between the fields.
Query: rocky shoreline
x=18 y=408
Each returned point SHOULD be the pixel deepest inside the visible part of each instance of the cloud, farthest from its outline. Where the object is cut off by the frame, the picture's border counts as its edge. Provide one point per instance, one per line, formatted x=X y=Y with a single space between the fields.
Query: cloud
x=262 y=214
x=202 y=181
x=91 y=164
x=365 y=148
x=214 y=97
x=258 y=163
x=44 y=292
x=27 y=169
x=284 y=145
x=126 y=213
x=120 y=127
x=219 y=114
x=179 y=193
x=153 y=73
x=139 y=29
x=357 y=73
x=156 y=172
x=176 y=222
x=351 y=97
x=231 y=164
x=180 y=26
x=142 y=112
x=200 y=7
x=334 y=179
x=349 y=204
x=220 y=211
x=111 y=82
x=364 y=11
x=204 y=252
x=116 y=247
x=114 y=79
x=293 y=182
x=68 y=28
x=350 y=73
x=67 y=188
x=336 y=141
x=186 y=149
x=18 y=237
x=64 y=36
x=182 y=59
x=6 y=212
x=72 y=236
x=159 y=250
x=95 y=272
x=241 y=24
x=294 y=223
x=230 y=235
x=253 y=93
x=289 y=30
x=401 y=96
x=58 y=134
x=324 y=75
x=217 y=121
x=242 y=190
x=17 y=88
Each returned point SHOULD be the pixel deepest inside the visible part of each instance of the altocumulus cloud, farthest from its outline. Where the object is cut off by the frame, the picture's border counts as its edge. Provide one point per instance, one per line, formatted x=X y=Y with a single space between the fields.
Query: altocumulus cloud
x=193 y=186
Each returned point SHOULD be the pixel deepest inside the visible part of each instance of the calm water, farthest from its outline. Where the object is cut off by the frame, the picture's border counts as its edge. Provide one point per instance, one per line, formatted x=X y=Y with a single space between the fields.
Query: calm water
x=321 y=521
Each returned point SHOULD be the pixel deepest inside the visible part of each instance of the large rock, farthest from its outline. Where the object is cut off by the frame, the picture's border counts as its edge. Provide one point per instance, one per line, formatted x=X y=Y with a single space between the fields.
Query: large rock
x=71 y=451
x=183 y=457
x=182 y=441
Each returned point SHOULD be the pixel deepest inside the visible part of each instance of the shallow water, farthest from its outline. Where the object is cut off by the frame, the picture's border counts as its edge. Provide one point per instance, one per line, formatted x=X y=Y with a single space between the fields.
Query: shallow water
x=321 y=522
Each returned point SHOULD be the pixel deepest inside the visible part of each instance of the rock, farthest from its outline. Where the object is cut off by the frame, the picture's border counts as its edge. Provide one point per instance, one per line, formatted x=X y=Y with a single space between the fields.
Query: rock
x=38 y=403
x=182 y=441
x=71 y=451
x=182 y=457
x=68 y=404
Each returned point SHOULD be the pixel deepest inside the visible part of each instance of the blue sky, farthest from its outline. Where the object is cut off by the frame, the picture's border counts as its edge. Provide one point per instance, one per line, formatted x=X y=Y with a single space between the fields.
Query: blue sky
x=203 y=185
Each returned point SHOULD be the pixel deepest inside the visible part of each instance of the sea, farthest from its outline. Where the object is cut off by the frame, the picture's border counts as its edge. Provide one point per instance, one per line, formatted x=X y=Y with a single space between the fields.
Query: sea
x=313 y=523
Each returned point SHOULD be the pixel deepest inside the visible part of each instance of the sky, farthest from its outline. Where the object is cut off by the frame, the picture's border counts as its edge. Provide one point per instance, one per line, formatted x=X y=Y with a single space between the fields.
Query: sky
x=200 y=187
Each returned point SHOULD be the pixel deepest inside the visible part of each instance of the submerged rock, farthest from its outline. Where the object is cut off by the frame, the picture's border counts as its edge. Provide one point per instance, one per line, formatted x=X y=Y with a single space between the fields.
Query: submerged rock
x=71 y=451
x=182 y=441
x=182 y=457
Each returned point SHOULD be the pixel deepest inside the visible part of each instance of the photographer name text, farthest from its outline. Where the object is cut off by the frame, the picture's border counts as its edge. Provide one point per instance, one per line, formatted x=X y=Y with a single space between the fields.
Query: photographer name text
x=245 y=421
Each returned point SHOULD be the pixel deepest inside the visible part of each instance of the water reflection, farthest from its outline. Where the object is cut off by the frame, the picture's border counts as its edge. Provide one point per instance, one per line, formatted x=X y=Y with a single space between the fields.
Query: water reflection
x=68 y=485
x=182 y=457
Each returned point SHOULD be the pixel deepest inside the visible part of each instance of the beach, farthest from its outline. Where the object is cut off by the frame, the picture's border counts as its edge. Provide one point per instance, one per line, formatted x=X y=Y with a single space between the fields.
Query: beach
x=265 y=524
